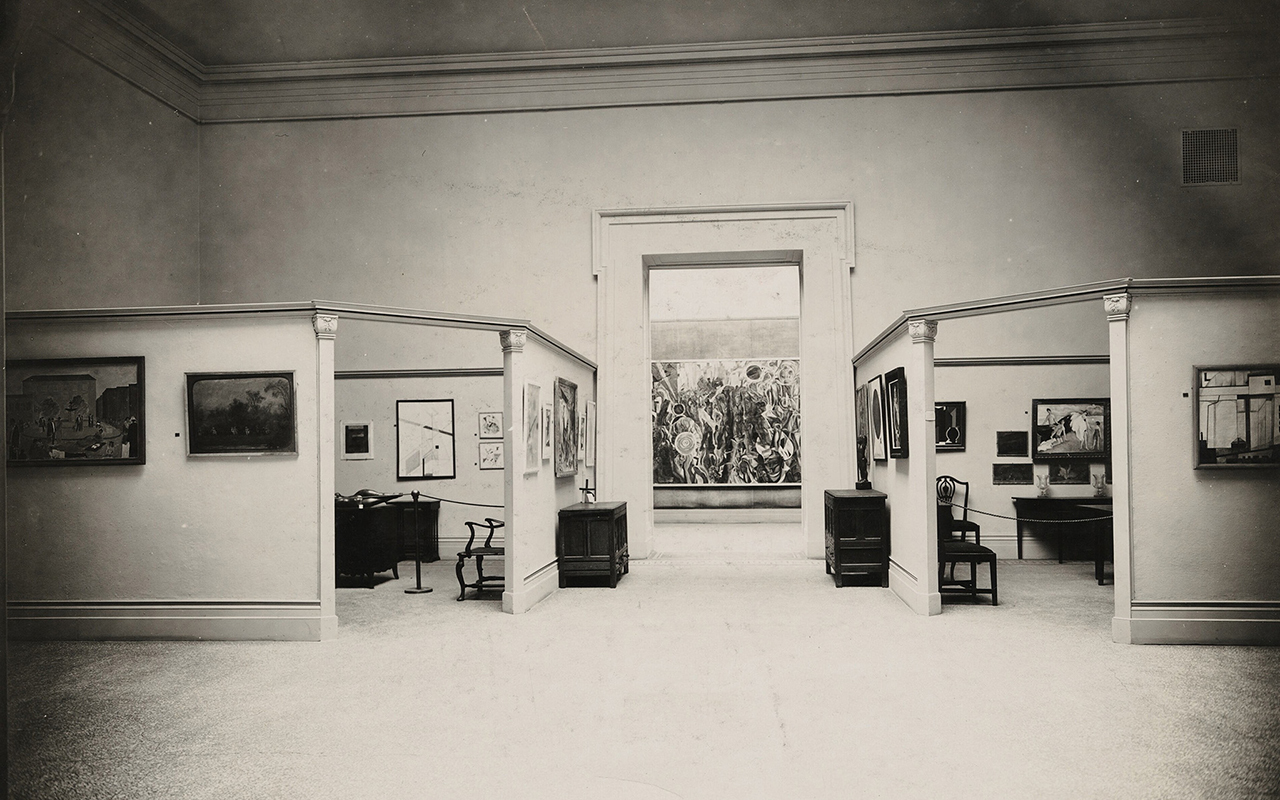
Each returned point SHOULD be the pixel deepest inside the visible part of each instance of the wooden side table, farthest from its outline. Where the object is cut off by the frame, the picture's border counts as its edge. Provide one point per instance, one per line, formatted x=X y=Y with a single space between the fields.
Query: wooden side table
x=591 y=539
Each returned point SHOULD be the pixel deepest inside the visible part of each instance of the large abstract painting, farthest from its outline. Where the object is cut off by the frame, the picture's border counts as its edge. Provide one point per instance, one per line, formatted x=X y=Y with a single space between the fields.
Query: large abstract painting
x=424 y=440
x=726 y=421
x=1237 y=416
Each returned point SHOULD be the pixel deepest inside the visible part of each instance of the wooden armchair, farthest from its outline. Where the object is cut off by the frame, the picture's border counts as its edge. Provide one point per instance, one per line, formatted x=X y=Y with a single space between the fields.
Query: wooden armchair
x=478 y=552
x=954 y=546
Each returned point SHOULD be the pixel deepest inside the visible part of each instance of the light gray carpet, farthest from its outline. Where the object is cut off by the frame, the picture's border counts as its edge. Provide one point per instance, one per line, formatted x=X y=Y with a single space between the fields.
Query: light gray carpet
x=692 y=680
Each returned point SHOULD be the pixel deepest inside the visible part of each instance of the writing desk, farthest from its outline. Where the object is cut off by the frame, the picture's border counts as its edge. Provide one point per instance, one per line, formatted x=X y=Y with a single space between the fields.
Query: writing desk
x=1064 y=515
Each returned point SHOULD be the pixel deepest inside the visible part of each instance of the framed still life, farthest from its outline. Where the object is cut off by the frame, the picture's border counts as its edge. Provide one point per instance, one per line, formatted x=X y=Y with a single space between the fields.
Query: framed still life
x=1237 y=416
x=949 y=422
x=241 y=413
x=1071 y=429
x=424 y=440
x=895 y=387
x=76 y=411
x=875 y=406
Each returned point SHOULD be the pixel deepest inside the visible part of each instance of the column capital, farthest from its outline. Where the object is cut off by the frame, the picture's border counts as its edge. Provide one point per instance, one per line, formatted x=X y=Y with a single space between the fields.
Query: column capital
x=922 y=330
x=513 y=340
x=1117 y=306
x=325 y=325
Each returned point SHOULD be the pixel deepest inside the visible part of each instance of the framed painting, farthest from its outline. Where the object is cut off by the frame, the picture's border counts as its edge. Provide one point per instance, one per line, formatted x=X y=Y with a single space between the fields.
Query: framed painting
x=1069 y=472
x=548 y=432
x=1071 y=429
x=1012 y=474
x=566 y=427
x=591 y=435
x=895 y=387
x=490 y=424
x=1237 y=412
x=1012 y=444
x=879 y=425
x=425 y=440
x=76 y=411
x=862 y=435
x=492 y=454
x=357 y=444
x=241 y=414
x=949 y=423
x=532 y=428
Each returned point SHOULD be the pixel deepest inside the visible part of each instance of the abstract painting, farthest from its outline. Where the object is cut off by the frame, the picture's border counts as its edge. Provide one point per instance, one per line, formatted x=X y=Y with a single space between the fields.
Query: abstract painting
x=532 y=428
x=241 y=413
x=490 y=424
x=357 y=444
x=76 y=411
x=566 y=423
x=726 y=421
x=424 y=440
x=949 y=424
x=875 y=404
x=491 y=454
x=591 y=435
x=1072 y=429
x=862 y=437
x=895 y=387
x=548 y=432
x=1237 y=416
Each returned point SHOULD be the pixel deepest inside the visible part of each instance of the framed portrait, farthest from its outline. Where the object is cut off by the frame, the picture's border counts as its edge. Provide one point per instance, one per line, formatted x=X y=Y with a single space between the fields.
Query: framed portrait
x=425 y=440
x=548 y=433
x=949 y=424
x=490 y=424
x=357 y=443
x=1237 y=412
x=879 y=425
x=895 y=387
x=566 y=426
x=862 y=434
x=1012 y=444
x=491 y=454
x=76 y=411
x=241 y=414
x=1071 y=429
x=591 y=435
x=1012 y=474
x=532 y=428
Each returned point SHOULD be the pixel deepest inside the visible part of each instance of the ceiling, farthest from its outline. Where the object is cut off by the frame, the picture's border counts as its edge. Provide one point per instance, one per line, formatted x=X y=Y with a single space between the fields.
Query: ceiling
x=225 y=32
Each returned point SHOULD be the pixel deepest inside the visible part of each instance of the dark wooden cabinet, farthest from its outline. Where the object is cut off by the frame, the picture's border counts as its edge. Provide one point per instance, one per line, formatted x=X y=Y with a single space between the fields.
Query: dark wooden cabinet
x=857 y=526
x=591 y=540
x=372 y=538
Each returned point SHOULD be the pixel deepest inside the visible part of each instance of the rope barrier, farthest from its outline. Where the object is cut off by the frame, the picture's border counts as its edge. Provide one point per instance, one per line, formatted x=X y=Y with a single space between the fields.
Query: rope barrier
x=459 y=502
x=1027 y=519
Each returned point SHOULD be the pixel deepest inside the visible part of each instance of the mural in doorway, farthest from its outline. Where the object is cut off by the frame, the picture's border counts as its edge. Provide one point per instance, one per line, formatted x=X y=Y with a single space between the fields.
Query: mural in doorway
x=726 y=421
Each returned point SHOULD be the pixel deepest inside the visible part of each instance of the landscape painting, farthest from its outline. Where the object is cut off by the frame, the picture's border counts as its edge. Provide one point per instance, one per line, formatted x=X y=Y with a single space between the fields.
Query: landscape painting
x=241 y=413
x=726 y=421
x=75 y=411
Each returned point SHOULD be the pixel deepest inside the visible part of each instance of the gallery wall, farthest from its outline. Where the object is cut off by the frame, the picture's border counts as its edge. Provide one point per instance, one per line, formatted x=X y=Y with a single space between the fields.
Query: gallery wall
x=179 y=547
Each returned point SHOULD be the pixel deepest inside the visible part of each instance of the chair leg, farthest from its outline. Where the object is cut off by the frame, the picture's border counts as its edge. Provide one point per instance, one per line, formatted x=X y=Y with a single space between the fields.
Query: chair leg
x=462 y=583
x=994 y=598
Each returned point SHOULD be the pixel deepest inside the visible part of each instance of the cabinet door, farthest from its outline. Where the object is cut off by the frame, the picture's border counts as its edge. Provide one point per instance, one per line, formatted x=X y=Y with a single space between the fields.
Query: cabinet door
x=599 y=538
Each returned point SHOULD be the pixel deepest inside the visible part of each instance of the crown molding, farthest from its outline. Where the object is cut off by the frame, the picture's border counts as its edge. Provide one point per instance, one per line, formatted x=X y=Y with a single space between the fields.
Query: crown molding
x=1058 y=56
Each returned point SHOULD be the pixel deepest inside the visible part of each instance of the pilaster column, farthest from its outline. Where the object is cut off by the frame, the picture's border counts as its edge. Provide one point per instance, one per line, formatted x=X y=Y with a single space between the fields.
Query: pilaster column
x=1118 y=308
x=513 y=342
x=923 y=471
x=326 y=329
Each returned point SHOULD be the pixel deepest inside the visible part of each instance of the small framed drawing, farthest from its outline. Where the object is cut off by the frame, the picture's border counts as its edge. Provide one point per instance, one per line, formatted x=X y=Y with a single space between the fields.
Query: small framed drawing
x=1071 y=430
x=591 y=435
x=1237 y=412
x=548 y=433
x=949 y=422
x=582 y=436
x=241 y=414
x=1012 y=444
x=491 y=454
x=532 y=428
x=424 y=440
x=895 y=387
x=357 y=443
x=490 y=424
x=566 y=419
x=76 y=412
x=875 y=405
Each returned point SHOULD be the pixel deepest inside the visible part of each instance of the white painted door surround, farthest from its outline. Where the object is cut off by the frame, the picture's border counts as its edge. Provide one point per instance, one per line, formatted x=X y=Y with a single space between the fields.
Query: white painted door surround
x=627 y=243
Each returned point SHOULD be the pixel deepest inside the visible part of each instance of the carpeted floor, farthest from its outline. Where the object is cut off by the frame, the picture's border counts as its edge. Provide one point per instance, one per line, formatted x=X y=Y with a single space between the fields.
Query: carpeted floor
x=694 y=679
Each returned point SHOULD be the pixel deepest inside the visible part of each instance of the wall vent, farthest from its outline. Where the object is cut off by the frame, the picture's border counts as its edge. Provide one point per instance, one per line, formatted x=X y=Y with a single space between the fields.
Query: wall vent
x=1209 y=157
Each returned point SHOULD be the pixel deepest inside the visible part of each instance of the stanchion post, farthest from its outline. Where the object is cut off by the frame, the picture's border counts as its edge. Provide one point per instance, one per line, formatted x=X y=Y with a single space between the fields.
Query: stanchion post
x=417 y=552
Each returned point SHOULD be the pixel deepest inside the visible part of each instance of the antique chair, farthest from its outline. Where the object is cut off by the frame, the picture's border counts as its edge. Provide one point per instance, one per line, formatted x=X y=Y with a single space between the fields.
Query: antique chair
x=954 y=546
x=483 y=581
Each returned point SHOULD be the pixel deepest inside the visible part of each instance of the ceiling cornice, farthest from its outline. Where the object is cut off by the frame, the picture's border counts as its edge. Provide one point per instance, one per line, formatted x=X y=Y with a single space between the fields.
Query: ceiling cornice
x=956 y=61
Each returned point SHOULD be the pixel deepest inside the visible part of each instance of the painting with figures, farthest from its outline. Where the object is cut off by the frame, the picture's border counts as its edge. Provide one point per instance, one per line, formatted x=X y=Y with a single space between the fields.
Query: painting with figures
x=1078 y=429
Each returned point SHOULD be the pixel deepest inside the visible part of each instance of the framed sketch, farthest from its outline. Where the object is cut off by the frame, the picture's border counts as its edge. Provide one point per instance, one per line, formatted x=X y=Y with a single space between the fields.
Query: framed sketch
x=1012 y=444
x=548 y=433
x=895 y=388
x=1071 y=429
x=862 y=435
x=1069 y=472
x=949 y=423
x=879 y=425
x=1237 y=412
x=76 y=411
x=425 y=440
x=357 y=444
x=1012 y=474
x=566 y=436
x=491 y=454
x=591 y=435
x=490 y=424
x=241 y=413
x=582 y=436
x=532 y=428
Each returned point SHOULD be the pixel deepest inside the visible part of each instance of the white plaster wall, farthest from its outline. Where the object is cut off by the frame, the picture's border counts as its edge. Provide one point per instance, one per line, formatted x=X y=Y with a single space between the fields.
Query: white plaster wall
x=176 y=528
x=375 y=344
x=1198 y=535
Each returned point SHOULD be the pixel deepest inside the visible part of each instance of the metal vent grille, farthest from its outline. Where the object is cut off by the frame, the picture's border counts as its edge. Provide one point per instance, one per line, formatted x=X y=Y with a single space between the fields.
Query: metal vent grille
x=1209 y=157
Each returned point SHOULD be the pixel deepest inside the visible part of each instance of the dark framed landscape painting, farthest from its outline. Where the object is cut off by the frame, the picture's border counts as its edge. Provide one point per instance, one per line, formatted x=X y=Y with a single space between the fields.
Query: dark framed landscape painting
x=241 y=414
x=76 y=411
x=1012 y=474
x=1071 y=429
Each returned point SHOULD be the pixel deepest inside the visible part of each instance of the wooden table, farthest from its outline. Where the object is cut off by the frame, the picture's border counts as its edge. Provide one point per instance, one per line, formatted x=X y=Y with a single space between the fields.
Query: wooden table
x=1090 y=516
x=374 y=536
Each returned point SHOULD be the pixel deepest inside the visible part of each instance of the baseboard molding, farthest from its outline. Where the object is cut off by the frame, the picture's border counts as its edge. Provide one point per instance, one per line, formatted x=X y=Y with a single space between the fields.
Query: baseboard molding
x=907 y=588
x=537 y=587
x=1226 y=622
x=170 y=620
